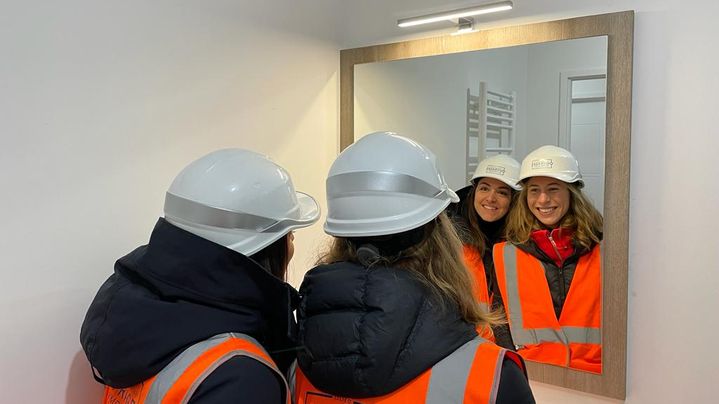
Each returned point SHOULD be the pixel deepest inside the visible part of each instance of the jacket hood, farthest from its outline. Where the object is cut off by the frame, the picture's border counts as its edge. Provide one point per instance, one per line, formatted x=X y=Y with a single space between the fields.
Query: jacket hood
x=368 y=331
x=178 y=290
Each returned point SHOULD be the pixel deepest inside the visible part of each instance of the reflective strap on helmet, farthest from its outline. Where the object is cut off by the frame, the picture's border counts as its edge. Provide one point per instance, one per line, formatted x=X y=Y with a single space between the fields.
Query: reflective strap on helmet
x=528 y=336
x=166 y=385
x=177 y=206
x=380 y=181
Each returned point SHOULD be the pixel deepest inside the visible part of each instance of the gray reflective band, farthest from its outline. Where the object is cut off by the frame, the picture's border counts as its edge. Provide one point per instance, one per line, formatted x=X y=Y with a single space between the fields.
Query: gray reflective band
x=520 y=335
x=497 y=375
x=529 y=336
x=179 y=207
x=379 y=181
x=449 y=377
x=583 y=335
x=175 y=369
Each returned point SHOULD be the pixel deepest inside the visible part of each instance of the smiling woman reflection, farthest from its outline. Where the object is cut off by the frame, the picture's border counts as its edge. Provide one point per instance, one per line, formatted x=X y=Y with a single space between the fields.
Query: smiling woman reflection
x=548 y=271
x=480 y=217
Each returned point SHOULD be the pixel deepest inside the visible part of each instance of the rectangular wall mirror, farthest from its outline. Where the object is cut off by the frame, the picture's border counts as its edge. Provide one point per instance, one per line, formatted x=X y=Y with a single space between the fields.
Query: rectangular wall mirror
x=508 y=91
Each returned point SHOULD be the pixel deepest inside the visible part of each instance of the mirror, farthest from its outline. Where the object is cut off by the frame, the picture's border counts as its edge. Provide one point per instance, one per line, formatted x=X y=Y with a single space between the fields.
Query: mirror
x=548 y=93
x=557 y=80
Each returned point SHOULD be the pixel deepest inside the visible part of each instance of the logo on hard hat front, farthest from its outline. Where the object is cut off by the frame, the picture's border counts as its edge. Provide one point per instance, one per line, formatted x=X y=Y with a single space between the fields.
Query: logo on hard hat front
x=495 y=170
x=542 y=163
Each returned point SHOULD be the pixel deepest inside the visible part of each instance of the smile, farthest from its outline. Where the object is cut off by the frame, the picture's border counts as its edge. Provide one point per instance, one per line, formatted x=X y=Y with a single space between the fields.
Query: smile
x=490 y=207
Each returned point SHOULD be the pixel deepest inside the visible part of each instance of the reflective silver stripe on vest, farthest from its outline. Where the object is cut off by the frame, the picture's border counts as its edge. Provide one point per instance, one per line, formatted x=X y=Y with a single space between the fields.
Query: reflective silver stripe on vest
x=175 y=369
x=583 y=335
x=528 y=336
x=448 y=380
x=379 y=181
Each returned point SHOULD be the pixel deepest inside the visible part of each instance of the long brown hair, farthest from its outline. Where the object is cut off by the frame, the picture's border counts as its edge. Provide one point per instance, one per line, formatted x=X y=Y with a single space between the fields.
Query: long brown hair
x=436 y=261
x=582 y=218
x=274 y=258
x=471 y=233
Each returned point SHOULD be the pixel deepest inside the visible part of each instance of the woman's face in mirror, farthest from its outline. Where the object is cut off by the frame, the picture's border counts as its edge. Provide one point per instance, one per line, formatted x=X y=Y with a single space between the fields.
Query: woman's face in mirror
x=492 y=199
x=548 y=199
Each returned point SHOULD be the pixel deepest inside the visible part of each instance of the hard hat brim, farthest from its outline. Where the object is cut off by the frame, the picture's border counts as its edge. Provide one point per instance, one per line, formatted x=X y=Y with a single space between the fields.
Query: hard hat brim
x=382 y=226
x=309 y=209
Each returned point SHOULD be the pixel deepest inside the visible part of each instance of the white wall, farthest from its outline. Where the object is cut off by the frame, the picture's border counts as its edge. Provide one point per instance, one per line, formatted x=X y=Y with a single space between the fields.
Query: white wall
x=101 y=104
x=673 y=278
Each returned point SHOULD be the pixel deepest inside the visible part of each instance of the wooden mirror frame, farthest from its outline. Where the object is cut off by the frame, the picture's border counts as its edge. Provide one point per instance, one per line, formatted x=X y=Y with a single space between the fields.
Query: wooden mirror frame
x=619 y=29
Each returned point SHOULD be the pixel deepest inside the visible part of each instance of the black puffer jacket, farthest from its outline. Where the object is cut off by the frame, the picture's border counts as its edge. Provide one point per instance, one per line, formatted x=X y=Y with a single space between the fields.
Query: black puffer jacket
x=367 y=332
x=181 y=289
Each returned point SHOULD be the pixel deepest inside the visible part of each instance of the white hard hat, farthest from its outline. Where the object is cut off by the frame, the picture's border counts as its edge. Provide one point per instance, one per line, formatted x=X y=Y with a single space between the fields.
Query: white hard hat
x=551 y=161
x=384 y=184
x=500 y=167
x=239 y=199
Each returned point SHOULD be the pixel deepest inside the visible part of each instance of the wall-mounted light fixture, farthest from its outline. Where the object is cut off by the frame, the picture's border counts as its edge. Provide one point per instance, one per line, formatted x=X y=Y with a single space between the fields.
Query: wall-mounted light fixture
x=462 y=15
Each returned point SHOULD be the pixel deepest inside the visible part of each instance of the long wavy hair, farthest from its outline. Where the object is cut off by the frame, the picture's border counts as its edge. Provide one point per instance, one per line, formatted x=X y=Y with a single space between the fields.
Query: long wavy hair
x=436 y=261
x=582 y=218
x=274 y=258
x=471 y=233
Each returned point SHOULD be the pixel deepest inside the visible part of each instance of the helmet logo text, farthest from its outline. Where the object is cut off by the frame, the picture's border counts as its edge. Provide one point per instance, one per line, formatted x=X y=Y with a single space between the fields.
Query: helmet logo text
x=495 y=170
x=542 y=163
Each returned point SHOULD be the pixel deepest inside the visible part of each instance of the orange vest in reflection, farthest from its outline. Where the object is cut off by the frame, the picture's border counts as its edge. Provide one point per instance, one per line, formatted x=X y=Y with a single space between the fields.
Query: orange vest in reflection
x=573 y=340
x=475 y=265
x=468 y=375
x=176 y=383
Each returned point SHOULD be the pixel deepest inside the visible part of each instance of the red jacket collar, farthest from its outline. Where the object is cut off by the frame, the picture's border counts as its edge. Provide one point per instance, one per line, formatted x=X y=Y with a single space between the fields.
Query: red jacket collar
x=556 y=244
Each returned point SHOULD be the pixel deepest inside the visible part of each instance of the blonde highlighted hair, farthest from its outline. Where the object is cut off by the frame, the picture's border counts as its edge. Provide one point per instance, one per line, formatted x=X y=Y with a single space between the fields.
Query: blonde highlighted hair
x=582 y=218
x=436 y=261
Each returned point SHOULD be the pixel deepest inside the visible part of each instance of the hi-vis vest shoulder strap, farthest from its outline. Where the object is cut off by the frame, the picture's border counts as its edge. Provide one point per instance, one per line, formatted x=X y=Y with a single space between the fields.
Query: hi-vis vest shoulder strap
x=176 y=383
x=475 y=265
x=572 y=340
x=469 y=375
x=473 y=260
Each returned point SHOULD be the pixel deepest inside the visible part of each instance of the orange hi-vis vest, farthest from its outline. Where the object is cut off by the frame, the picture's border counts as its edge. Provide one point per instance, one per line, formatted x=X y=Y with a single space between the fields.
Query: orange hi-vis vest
x=475 y=265
x=177 y=381
x=573 y=340
x=468 y=375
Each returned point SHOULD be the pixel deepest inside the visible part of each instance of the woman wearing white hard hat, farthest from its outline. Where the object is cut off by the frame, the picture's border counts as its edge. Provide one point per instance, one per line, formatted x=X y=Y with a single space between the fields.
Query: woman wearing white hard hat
x=481 y=216
x=549 y=270
x=202 y=313
x=388 y=316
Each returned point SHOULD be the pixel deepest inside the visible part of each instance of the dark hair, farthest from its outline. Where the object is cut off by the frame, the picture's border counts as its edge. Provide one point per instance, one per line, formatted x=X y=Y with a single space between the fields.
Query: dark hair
x=470 y=230
x=432 y=252
x=273 y=258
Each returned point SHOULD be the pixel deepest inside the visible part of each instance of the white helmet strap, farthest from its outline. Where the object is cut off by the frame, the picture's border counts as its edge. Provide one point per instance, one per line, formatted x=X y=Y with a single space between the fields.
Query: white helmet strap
x=382 y=181
x=177 y=206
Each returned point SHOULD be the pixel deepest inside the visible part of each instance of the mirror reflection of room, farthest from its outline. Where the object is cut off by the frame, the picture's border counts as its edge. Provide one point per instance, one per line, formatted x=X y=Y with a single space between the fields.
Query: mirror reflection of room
x=537 y=261
x=558 y=89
